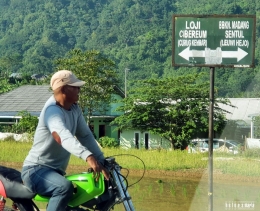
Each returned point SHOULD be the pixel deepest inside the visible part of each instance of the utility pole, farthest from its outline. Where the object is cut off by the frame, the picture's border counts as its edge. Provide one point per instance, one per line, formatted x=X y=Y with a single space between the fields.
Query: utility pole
x=126 y=70
x=211 y=135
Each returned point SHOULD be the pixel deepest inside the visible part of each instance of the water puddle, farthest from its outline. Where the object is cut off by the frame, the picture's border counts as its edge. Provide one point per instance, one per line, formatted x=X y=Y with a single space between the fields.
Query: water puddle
x=151 y=194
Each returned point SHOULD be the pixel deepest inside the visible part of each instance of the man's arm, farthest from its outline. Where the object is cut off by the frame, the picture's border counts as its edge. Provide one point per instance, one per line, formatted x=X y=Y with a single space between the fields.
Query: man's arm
x=55 y=121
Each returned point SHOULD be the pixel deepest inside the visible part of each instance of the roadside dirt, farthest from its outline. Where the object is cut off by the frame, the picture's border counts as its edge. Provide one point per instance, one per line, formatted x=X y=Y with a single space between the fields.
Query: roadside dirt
x=188 y=174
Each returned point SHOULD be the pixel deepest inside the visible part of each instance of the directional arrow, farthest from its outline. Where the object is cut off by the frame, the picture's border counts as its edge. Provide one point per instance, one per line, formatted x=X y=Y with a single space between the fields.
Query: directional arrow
x=187 y=53
x=239 y=54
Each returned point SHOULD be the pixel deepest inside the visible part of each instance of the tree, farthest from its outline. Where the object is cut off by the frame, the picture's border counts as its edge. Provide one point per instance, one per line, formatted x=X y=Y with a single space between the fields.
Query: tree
x=8 y=64
x=99 y=74
x=174 y=108
x=256 y=121
x=134 y=34
x=5 y=86
x=27 y=123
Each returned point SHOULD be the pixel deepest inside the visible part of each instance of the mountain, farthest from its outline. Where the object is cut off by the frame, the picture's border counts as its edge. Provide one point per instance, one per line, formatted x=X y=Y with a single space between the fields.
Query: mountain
x=136 y=34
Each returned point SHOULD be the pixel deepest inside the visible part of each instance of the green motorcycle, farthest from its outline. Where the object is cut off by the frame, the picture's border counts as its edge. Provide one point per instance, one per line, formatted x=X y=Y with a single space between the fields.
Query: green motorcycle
x=89 y=194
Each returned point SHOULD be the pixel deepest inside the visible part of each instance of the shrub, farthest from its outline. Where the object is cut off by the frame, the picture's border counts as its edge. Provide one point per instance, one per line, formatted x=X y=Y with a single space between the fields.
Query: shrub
x=108 y=142
x=27 y=124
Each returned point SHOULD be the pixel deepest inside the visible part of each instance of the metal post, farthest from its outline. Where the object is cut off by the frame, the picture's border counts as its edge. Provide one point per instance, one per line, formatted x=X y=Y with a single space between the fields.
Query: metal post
x=252 y=127
x=126 y=69
x=211 y=131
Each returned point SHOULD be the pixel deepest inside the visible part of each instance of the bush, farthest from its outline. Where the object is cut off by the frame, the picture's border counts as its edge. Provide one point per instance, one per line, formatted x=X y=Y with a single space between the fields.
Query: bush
x=27 y=124
x=108 y=142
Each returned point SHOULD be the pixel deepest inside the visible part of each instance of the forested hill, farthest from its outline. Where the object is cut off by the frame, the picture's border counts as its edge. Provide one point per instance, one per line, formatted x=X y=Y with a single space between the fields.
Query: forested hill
x=136 y=34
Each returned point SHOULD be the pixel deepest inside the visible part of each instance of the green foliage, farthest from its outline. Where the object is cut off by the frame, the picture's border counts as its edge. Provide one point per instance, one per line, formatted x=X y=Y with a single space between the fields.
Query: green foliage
x=27 y=124
x=134 y=34
x=174 y=108
x=256 y=121
x=108 y=142
x=5 y=86
x=9 y=83
x=99 y=74
x=229 y=129
x=10 y=63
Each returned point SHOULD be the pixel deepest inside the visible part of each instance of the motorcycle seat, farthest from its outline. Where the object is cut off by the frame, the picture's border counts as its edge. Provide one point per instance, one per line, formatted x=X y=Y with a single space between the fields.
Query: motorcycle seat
x=11 y=184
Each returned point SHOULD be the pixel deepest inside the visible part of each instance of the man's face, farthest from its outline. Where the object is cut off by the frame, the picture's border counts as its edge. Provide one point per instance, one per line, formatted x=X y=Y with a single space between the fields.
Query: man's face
x=72 y=93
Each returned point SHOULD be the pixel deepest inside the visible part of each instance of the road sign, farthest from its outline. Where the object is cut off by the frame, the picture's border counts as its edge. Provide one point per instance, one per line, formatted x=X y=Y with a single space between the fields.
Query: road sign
x=213 y=40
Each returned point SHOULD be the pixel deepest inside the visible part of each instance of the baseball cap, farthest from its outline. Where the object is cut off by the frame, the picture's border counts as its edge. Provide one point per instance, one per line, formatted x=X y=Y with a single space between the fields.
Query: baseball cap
x=65 y=77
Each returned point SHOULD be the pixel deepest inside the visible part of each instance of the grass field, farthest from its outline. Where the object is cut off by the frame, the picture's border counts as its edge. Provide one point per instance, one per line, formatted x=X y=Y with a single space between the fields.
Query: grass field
x=246 y=163
x=176 y=194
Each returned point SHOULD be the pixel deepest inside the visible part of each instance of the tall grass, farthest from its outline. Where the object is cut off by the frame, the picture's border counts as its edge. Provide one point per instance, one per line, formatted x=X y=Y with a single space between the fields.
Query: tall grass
x=243 y=164
x=154 y=159
x=13 y=151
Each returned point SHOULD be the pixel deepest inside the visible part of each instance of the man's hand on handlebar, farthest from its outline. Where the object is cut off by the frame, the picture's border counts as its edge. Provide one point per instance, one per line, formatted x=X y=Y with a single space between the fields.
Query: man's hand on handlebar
x=97 y=168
